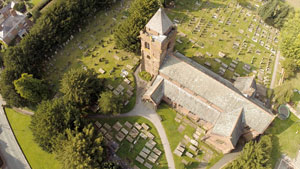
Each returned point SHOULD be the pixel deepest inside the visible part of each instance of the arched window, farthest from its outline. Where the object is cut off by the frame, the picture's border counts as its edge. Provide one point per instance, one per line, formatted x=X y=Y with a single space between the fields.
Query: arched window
x=147 y=46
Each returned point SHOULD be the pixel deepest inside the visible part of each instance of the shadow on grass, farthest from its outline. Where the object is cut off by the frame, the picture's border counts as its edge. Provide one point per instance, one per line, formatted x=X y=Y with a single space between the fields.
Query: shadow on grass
x=278 y=126
x=276 y=150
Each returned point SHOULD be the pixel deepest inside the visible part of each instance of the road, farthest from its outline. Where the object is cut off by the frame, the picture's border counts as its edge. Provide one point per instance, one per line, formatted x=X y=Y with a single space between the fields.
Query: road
x=275 y=70
x=10 y=150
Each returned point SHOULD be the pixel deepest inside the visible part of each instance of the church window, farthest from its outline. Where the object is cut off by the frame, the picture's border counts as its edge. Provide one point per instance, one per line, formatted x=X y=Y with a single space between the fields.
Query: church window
x=148 y=57
x=147 y=46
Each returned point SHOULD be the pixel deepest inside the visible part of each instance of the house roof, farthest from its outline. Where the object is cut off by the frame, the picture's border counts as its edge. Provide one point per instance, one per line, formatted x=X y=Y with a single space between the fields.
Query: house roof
x=160 y=22
x=212 y=95
x=7 y=7
x=11 y=21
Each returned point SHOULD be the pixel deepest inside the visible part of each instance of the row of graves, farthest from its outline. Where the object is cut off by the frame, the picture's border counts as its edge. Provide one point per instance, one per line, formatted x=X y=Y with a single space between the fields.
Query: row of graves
x=118 y=133
x=191 y=148
x=228 y=33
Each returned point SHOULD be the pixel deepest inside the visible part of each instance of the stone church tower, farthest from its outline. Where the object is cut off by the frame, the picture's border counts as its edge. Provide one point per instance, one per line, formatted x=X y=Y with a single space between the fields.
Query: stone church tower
x=157 y=40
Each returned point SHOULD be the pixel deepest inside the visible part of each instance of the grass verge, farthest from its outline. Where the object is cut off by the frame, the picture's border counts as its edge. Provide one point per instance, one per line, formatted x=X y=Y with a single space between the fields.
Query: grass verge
x=37 y=158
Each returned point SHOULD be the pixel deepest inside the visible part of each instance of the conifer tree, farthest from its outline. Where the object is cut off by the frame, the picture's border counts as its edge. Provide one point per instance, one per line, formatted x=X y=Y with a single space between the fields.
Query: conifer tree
x=140 y=12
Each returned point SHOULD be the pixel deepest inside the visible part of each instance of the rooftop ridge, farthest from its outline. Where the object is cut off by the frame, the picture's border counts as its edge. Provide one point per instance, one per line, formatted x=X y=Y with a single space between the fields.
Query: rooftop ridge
x=239 y=94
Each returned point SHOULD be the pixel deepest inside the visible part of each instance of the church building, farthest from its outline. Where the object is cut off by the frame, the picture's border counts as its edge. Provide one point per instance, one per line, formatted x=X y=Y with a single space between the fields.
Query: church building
x=226 y=110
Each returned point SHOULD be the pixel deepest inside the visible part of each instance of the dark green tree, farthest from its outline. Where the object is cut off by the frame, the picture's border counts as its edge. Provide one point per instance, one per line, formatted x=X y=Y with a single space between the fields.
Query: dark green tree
x=81 y=86
x=51 y=120
x=283 y=94
x=55 y=26
x=30 y=88
x=109 y=165
x=81 y=150
x=127 y=33
x=110 y=103
x=254 y=155
x=20 y=6
x=290 y=38
x=290 y=67
x=274 y=13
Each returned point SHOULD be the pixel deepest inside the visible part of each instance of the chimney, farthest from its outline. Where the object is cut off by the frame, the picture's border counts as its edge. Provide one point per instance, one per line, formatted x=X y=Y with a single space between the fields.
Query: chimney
x=13 y=12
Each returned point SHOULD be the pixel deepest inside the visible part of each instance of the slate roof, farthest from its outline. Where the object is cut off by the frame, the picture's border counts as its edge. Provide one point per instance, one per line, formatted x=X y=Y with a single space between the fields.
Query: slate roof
x=243 y=83
x=160 y=22
x=227 y=122
x=205 y=84
x=156 y=90
x=11 y=21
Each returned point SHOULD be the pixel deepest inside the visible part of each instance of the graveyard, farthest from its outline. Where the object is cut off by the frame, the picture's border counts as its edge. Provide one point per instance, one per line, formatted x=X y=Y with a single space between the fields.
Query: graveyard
x=184 y=137
x=135 y=140
x=93 y=48
x=228 y=38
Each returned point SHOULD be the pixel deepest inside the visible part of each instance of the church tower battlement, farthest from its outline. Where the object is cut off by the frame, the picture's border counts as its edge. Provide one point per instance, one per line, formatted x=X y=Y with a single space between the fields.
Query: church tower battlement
x=157 y=40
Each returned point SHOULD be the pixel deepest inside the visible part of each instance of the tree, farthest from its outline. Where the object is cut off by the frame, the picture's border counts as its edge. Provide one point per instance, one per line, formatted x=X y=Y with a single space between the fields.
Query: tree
x=127 y=33
x=81 y=86
x=290 y=66
x=109 y=165
x=51 y=120
x=55 y=26
x=290 y=38
x=36 y=14
x=30 y=88
x=254 y=155
x=109 y=103
x=81 y=150
x=20 y=6
x=274 y=13
x=283 y=94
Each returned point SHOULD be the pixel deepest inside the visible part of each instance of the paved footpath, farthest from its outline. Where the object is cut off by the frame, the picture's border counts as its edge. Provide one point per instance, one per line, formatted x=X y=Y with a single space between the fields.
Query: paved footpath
x=225 y=160
x=141 y=110
x=10 y=150
x=275 y=70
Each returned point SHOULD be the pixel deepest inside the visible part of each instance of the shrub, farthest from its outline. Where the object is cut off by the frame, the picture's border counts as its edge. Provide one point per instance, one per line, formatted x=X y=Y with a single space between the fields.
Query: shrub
x=145 y=76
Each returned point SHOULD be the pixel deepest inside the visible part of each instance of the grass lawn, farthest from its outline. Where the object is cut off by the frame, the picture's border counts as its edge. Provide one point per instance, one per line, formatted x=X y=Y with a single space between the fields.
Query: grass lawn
x=168 y=115
x=219 y=34
x=37 y=158
x=285 y=138
x=35 y=2
x=129 y=155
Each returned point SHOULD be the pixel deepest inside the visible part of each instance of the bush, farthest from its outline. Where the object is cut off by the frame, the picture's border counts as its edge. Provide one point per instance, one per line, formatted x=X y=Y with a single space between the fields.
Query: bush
x=21 y=7
x=145 y=76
